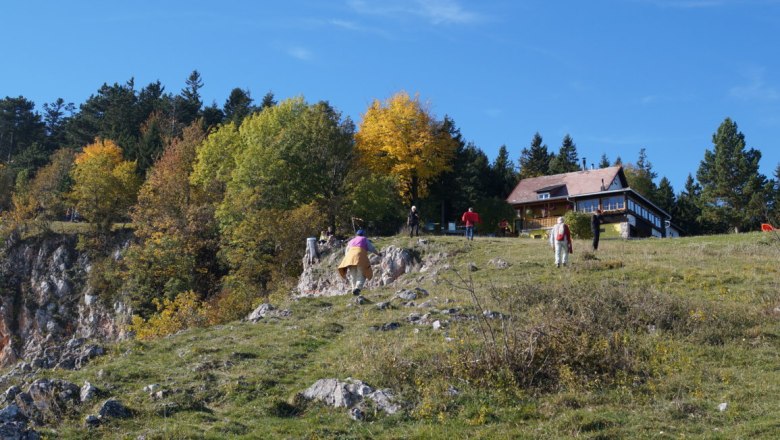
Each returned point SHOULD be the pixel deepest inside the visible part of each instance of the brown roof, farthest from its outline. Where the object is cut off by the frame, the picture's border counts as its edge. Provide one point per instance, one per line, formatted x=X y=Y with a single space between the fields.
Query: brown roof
x=572 y=184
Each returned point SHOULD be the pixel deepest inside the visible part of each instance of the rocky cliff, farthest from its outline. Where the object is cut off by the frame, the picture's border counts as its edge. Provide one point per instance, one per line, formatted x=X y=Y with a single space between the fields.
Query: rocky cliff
x=46 y=301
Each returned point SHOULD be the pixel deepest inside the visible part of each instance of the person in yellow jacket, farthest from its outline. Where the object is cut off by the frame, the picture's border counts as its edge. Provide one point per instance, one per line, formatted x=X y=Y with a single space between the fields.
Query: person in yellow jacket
x=355 y=266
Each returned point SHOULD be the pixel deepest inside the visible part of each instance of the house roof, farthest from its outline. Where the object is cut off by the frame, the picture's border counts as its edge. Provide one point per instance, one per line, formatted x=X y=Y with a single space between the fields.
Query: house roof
x=576 y=183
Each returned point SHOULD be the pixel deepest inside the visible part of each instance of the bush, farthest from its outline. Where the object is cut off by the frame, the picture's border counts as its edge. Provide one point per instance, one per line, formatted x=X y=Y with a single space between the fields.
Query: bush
x=185 y=311
x=579 y=224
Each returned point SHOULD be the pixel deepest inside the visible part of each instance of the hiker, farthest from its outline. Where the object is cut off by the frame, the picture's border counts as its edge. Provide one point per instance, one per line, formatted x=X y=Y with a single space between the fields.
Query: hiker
x=355 y=266
x=470 y=218
x=560 y=240
x=413 y=221
x=327 y=236
x=595 y=227
x=503 y=228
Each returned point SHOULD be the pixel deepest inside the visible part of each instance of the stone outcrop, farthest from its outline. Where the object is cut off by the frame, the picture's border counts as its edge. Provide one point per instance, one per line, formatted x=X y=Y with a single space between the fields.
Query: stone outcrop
x=352 y=394
x=322 y=278
x=45 y=300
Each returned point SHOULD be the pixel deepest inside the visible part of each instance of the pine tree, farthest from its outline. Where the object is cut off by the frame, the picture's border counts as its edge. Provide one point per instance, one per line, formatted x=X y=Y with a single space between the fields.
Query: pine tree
x=618 y=161
x=686 y=212
x=732 y=188
x=504 y=176
x=664 y=195
x=268 y=101
x=238 y=106
x=566 y=160
x=604 y=162
x=535 y=161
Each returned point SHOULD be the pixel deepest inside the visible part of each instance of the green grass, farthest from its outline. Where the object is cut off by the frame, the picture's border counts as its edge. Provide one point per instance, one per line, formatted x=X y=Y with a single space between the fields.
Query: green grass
x=721 y=345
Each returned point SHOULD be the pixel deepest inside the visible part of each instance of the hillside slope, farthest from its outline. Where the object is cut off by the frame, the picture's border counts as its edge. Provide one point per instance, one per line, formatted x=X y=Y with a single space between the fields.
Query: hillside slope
x=645 y=339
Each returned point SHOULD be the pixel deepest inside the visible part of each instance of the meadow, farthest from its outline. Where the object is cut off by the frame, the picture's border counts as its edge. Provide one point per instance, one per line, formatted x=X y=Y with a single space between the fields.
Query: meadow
x=655 y=338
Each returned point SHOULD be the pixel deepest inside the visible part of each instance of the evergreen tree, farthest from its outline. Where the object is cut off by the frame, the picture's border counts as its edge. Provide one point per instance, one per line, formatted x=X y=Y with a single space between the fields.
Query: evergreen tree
x=618 y=161
x=535 y=161
x=268 y=101
x=20 y=127
x=566 y=160
x=732 y=188
x=687 y=212
x=238 y=106
x=504 y=176
x=212 y=116
x=188 y=104
x=640 y=176
x=56 y=116
x=774 y=205
x=604 y=162
x=664 y=195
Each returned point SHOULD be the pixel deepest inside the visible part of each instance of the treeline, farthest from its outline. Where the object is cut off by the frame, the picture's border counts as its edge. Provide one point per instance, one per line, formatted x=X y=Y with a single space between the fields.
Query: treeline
x=221 y=198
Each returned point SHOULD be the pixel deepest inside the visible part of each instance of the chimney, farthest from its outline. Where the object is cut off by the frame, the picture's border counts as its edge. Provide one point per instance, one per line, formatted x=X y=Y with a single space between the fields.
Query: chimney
x=592 y=166
x=584 y=164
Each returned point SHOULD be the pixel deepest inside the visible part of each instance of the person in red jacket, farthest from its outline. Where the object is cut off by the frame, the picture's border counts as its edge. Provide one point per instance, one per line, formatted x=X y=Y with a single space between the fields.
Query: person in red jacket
x=560 y=240
x=470 y=219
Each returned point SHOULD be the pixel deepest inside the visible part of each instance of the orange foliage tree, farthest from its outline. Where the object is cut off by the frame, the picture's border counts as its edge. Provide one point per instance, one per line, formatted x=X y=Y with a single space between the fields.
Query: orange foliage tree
x=401 y=138
x=104 y=184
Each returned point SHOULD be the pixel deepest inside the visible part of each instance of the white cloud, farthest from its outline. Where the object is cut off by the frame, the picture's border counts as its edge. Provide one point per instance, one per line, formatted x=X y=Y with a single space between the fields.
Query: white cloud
x=434 y=11
x=300 y=53
x=755 y=87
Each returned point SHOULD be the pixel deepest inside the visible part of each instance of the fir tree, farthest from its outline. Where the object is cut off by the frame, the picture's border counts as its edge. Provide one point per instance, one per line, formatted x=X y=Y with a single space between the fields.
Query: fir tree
x=535 y=161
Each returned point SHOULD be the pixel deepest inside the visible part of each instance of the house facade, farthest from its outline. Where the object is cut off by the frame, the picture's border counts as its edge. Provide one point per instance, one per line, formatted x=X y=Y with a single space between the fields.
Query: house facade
x=539 y=201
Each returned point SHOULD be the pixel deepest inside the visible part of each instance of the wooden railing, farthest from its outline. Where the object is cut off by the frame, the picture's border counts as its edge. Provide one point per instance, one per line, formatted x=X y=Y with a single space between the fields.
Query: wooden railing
x=539 y=223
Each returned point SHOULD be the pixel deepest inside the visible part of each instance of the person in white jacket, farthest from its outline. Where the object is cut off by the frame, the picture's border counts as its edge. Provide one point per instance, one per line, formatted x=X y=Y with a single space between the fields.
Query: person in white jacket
x=560 y=240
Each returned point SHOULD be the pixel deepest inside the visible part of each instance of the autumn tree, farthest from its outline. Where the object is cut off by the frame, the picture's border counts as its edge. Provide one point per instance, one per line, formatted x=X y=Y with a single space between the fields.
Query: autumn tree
x=535 y=160
x=177 y=244
x=286 y=161
x=104 y=184
x=732 y=187
x=400 y=137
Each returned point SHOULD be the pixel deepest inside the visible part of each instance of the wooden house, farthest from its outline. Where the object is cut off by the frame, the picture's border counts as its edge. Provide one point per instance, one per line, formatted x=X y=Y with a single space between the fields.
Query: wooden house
x=539 y=201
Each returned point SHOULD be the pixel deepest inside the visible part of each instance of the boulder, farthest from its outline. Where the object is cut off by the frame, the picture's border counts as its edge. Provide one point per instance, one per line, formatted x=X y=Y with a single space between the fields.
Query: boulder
x=47 y=400
x=267 y=310
x=113 y=409
x=17 y=431
x=350 y=393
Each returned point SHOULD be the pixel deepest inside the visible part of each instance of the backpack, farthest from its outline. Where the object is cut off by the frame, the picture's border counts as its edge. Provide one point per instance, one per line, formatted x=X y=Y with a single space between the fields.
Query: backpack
x=560 y=236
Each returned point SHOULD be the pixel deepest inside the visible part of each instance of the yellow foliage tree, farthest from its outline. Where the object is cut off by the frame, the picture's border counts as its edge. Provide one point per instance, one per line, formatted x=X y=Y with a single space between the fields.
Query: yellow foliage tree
x=401 y=138
x=104 y=184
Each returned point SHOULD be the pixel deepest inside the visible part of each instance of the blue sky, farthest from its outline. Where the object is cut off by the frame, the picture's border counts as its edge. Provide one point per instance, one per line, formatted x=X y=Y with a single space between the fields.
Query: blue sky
x=617 y=75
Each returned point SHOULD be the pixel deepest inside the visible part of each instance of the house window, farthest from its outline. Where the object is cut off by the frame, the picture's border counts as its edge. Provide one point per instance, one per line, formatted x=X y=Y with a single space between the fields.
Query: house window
x=588 y=205
x=542 y=196
x=616 y=203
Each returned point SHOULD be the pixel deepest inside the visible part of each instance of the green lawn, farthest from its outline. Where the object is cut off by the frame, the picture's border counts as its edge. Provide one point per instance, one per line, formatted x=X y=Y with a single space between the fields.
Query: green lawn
x=720 y=344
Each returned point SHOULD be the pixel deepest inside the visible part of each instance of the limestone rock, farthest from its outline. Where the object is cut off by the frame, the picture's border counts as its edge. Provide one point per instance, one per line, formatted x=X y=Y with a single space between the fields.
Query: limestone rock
x=499 y=263
x=267 y=311
x=322 y=279
x=349 y=393
x=88 y=392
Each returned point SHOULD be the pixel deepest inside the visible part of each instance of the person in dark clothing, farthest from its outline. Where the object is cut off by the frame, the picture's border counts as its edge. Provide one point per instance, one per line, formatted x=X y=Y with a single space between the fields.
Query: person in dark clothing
x=413 y=221
x=595 y=227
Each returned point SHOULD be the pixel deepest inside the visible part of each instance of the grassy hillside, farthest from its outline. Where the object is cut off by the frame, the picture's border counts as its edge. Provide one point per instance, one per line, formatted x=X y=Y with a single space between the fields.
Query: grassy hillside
x=645 y=339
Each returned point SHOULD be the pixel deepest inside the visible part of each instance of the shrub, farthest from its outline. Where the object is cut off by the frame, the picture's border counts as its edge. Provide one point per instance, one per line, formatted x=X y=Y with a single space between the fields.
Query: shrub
x=183 y=312
x=579 y=224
